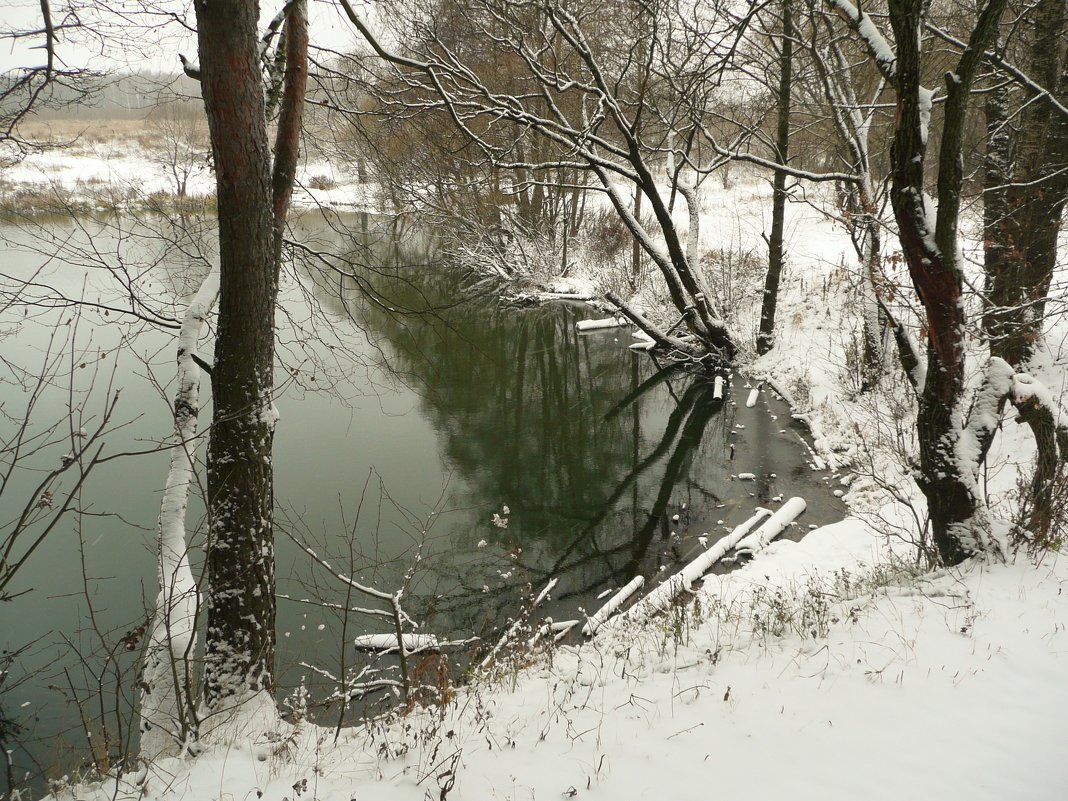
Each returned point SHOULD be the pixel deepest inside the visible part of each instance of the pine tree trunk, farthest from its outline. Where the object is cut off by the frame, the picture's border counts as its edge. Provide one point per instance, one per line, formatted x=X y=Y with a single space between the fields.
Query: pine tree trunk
x=240 y=560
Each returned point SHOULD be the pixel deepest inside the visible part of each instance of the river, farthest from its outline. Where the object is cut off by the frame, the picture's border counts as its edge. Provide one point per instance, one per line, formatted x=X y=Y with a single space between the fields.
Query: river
x=428 y=433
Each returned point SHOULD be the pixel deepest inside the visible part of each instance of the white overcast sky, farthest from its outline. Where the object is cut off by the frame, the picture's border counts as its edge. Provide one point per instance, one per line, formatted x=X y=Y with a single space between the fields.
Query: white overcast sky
x=131 y=35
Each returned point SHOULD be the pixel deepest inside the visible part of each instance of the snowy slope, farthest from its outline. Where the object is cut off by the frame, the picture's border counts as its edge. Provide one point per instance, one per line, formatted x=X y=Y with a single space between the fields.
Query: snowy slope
x=945 y=687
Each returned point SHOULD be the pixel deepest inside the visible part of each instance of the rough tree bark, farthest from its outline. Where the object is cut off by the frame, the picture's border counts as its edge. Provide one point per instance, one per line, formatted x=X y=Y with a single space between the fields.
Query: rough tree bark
x=929 y=241
x=1026 y=187
x=251 y=211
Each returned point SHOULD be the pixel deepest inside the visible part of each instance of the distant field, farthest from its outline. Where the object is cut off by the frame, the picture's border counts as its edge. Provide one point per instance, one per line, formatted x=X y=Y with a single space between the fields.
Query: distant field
x=91 y=137
x=100 y=130
x=154 y=137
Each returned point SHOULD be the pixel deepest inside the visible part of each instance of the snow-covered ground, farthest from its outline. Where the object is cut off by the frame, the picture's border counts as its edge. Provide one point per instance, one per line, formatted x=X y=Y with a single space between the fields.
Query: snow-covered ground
x=823 y=669
x=806 y=674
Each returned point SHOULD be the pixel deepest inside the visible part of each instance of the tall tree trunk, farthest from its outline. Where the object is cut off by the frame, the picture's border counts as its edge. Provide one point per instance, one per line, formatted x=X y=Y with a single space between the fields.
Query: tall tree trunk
x=636 y=248
x=997 y=175
x=1026 y=189
x=166 y=709
x=1024 y=216
x=251 y=209
x=946 y=477
x=776 y=257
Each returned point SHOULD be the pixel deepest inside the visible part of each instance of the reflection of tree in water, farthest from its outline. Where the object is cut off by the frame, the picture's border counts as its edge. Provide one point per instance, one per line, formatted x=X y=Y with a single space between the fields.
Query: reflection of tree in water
x=574 y=434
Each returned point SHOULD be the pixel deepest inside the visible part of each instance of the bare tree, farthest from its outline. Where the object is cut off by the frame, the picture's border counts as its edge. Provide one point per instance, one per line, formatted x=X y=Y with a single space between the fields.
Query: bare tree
x=776 y=257
x=180 y=148
x=852 y=108
x=35 y=513
x=587 y=106
x=52 y=83
x=954 y=429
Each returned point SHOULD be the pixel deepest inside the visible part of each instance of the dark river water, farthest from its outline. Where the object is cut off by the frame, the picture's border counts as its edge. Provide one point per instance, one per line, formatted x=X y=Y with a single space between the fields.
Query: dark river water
x=415 y=407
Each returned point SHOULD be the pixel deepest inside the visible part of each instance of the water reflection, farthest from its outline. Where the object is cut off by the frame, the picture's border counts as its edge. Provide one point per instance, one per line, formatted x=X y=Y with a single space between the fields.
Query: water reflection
x=608 y=466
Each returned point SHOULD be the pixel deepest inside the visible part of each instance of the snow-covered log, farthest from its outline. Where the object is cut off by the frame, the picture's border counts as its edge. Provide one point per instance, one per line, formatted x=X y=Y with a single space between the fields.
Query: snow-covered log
x=654 y=332
x=596 y=325
x=661 y=597
x=564 y=629
x=613 y=604
x=579 y=296
x=774 y=525
x=386 y=643
x=165 y=706
x=645 y=342
x=559 y=627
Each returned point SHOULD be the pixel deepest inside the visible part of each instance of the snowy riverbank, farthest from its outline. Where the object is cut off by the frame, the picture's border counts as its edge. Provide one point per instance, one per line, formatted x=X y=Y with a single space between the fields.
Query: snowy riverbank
x=803 y=675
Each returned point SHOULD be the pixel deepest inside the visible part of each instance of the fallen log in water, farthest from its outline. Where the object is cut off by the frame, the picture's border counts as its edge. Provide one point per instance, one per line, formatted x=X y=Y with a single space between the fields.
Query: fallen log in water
x=582 y=296
x=774 y=525
x=607 y=322
x=517 y=624
x=645 y=342
x=613 y=604
x=384 y=643
x=661 y=597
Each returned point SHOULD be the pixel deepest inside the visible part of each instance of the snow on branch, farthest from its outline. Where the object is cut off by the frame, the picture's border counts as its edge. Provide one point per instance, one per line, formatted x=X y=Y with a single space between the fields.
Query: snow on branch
x=734 y=154
x=650 y=328
x=1019 y=76
x=372 y=40
x=864 y=26
x=984 y=417
x=1032 y=399
x=190 y=68
x=273 y=27
x=344 y=579
x=1028 y=393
